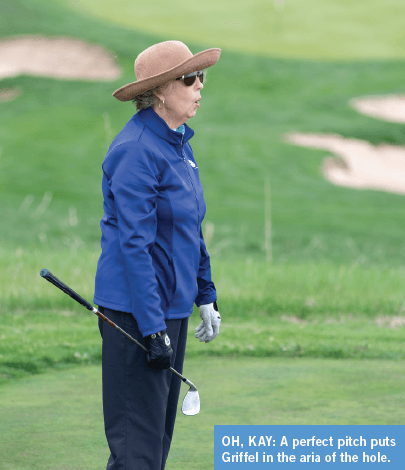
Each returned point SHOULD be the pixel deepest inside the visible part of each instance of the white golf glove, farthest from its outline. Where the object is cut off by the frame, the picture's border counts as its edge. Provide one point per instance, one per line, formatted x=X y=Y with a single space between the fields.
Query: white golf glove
x=208 y=329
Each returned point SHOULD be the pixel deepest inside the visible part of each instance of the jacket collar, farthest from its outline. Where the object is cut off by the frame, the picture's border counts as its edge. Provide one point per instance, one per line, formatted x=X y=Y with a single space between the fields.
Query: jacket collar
x=158 y=126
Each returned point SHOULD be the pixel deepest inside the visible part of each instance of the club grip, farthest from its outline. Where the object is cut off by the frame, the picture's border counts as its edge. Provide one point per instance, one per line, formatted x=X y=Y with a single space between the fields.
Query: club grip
x=64 y=288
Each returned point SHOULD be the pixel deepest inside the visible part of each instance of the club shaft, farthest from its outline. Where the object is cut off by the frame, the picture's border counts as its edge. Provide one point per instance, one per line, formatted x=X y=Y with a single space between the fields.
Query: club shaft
x=107 y=320
x=75 y=296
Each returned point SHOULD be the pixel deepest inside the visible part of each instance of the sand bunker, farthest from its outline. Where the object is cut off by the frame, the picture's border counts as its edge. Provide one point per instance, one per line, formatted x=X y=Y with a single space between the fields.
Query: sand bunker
x=56 y=57
x=361 y=164
x=389 y=107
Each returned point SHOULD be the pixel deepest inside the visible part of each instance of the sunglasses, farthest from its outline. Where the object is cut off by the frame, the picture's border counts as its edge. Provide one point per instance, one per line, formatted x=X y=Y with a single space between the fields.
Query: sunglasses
x=190 y=78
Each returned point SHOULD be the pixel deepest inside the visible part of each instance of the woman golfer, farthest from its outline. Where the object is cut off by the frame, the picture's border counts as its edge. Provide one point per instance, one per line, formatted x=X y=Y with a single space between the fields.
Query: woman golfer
x=154 y=264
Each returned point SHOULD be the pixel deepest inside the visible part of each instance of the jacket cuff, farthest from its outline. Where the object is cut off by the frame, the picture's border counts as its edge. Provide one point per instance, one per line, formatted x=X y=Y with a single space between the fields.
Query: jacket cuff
x=205 y=300
x=160 y=327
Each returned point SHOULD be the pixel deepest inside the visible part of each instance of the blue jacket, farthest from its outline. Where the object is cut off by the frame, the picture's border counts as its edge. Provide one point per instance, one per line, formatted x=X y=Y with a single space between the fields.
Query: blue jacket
x=154 y=263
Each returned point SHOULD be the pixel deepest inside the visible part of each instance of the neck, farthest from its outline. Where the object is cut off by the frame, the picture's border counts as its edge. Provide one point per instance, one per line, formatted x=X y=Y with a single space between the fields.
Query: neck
x=169 y=120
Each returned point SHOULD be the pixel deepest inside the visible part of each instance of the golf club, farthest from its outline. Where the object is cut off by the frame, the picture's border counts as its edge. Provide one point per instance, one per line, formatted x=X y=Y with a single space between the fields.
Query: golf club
x=191 y=402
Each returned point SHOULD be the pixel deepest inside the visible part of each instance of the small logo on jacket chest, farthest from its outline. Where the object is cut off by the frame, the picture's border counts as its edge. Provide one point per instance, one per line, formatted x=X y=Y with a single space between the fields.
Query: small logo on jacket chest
x=192 y=164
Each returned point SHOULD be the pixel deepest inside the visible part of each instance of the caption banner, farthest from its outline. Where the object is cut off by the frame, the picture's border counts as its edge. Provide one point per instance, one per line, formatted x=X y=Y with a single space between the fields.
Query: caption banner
x=337 y=447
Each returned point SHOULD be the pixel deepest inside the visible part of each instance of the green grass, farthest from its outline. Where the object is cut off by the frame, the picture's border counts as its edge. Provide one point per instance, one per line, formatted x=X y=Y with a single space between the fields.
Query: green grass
x=248 y=287
x=326 y=29
x=55 y=421
x=33 y=342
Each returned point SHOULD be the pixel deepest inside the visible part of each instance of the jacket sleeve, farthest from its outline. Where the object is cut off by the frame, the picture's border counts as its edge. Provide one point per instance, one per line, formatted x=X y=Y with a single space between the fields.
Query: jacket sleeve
x=134 y=186
x=206 y=288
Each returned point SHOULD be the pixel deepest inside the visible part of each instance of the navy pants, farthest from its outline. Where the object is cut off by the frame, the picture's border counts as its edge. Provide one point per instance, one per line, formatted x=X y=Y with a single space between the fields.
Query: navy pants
x=139 y=403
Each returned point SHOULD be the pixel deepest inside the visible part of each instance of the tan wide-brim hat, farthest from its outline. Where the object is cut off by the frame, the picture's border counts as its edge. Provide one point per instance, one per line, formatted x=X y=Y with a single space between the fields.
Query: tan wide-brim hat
x=163 y=62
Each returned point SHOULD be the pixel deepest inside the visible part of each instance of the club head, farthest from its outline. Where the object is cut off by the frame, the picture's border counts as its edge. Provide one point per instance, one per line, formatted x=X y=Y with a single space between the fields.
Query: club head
x=191 y=403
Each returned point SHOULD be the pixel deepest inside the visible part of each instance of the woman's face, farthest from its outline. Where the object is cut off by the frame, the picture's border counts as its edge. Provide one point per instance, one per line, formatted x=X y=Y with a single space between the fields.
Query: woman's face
x=181 y=102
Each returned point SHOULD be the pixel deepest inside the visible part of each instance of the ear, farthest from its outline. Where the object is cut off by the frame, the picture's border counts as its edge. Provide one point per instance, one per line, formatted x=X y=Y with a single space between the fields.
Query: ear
x=162 y=90
x=159 y=93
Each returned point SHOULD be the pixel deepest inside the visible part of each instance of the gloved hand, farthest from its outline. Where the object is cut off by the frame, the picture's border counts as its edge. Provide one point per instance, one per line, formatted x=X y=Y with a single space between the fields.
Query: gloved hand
x=159 y=351
x=208 y=329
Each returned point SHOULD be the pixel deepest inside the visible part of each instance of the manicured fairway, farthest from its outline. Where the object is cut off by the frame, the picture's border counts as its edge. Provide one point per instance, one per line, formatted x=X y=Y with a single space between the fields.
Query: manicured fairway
x=329 y=29
x=54 y=421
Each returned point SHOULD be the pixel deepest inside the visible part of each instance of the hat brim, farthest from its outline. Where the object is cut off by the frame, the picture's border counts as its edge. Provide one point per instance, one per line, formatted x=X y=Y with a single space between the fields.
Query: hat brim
x=201 y=60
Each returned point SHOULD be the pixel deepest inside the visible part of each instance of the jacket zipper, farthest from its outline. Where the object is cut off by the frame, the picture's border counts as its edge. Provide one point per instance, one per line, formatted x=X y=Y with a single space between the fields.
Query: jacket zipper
x=191 y=181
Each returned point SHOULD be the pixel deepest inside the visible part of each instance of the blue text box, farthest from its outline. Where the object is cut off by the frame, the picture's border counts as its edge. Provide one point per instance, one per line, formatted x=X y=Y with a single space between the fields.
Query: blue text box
x=335 y=447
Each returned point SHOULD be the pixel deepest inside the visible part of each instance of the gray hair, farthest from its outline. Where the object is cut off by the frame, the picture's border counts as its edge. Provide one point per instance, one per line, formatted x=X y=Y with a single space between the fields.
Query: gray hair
x=145 y=100
x=148 y=98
